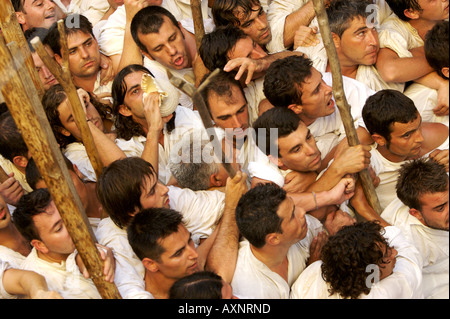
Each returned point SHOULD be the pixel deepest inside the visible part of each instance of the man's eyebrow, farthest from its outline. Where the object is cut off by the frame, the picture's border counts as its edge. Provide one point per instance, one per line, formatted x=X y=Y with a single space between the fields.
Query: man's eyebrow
x=441 y=205
x=133 y=87
x=360 y=29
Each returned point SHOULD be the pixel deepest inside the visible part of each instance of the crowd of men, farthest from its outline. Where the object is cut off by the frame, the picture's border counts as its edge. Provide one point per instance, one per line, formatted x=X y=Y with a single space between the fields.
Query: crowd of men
x=287 y=216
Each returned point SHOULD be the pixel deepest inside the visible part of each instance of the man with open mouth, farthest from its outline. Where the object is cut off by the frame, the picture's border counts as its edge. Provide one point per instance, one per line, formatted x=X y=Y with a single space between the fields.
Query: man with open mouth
x=35 y=13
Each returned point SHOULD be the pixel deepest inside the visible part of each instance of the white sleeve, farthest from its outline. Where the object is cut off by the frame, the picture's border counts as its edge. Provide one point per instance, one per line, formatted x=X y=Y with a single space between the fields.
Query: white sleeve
x=3 y=293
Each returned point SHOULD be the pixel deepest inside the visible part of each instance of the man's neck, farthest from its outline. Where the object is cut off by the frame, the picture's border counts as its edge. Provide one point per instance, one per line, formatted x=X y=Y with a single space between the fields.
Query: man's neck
x=86 y=83
x=10 y=237
x=348 y=69
x=422 y=26
x=191 y=46
x=52 y=257
x=389 y=155
x=274 y=257
x=158 y=285
x=93 y=206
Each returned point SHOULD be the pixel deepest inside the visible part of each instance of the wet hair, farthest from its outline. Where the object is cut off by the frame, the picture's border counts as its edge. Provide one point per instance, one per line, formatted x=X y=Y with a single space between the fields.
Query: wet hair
x=385 y=108
x=437 y=47
x=420 y=177
x=149 y=20
x=224 y=11
x=399 y=7
x=216 y=45
x=119 y=188
x=30 y=205
x=256 y=213
x=149 y=227
x=284 y=120
x=347 y=254
x=342 y=12
x=199 y=285
x=284 y=78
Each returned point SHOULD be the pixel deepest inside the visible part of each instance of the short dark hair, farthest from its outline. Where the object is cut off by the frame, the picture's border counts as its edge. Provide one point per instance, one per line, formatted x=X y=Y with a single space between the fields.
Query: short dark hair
x=284 y=78
x=12 y=143
x=256 y=213
x=223 y=11
x=221 y=85
x=420 y=177
x=30 y=205
x=342 y=12
x=119 y=188
x=385 y=108
x=283 y=119
x=347 y=254
x=33 y=176
x=149 y=227
x=199 y=285
x=216 y=45
x=399 y=7
x=18 y=5
x=30 y=34
x=437 y=47
x=149 y=20
x=73 y=23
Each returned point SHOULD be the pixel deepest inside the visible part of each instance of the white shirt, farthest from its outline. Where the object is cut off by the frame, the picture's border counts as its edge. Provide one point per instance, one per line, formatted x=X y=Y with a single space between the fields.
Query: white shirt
x=432 y=245
x=254 y=280
x=404 y=283
x=94 y=10
x=3 y=293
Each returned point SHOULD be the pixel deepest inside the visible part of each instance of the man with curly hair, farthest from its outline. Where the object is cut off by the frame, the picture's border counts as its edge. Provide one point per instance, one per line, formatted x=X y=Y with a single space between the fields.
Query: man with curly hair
x=363 y=261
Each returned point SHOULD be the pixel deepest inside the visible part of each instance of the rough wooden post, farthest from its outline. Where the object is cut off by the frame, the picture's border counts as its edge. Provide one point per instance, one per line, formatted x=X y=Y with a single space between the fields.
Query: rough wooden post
x=12 y=32
x=64 y=77
x=200 y=104
x=3 y=175
x=197 y=16
x=341 y=100
x=32 y=122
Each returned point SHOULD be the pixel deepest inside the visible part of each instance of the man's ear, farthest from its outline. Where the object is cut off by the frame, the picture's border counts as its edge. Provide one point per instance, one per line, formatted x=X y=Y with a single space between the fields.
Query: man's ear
x=273 y=239
x=411 y=14
x=63 y=131
x=150 y=265
x=414 y=212
x=380 y=140
x=336 y=40
x=125 y=110
x=216 y=181
x=296 y=108
x=40 y=246
x=445 y=72
x=21 y=17
x=20 y=161
x=277 y=161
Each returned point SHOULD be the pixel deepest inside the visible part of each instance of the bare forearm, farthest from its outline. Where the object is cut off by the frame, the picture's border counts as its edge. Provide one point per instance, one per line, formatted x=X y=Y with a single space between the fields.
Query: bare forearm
x=302 y=16
x=151 y=149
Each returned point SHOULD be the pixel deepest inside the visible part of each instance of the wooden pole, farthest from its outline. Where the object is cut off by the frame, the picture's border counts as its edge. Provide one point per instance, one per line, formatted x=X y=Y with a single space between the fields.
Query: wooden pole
x=64 y=77
x=3 y=175
x=32 y=122
x=197 y=16
x=341 y=100
x=200 y=104
x=12 y=32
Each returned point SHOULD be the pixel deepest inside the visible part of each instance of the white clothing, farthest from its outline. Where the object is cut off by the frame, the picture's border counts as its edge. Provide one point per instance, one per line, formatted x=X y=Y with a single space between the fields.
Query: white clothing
x=12 y=257
x=64 y=278
x=3 y=293
x=432 y=245
x=254 y=280
x=9 y=167
x=99 y=89
x=254 y=95
x=425 y=100
x=404 y=283
x=94 y=10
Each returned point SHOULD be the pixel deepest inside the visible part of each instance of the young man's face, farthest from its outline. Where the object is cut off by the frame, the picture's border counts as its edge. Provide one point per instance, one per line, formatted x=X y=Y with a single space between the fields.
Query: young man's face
x=359 y=44
x=434 y=10
x=316 y=98
x=388 y=262
x=84 y=55
x=180 y=256
x=167 y=47
x=230 y=112
x=406 y=139
x=53 y=232
x=255 y=25
x=435 y=210
x=133 y=99
x=46 y=77
x=246 y=48
x=37 y=14
x=293 y=225
x=298 y=151
x=154 y=194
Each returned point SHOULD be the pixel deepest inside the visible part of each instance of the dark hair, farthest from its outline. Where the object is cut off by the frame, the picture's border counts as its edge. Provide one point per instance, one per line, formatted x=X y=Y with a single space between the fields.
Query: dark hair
x=149 y=20
x=30 y=205
x=224 y=11
x=342 y=12
x=73 y=23
x=399 y=7
x=119 y=188
x=347 y=254
x=33 y=176
x=149 y=227
x=18 y=5
x=221 y=84
x=199 y=285
x=256 y=213
x=420 y=177
x=52 y=99
x=436 y=47
x=385 y=108
x=284 y=78
x=284 y=120
x=216 y=45
x=12 y=143
x=30 y=34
